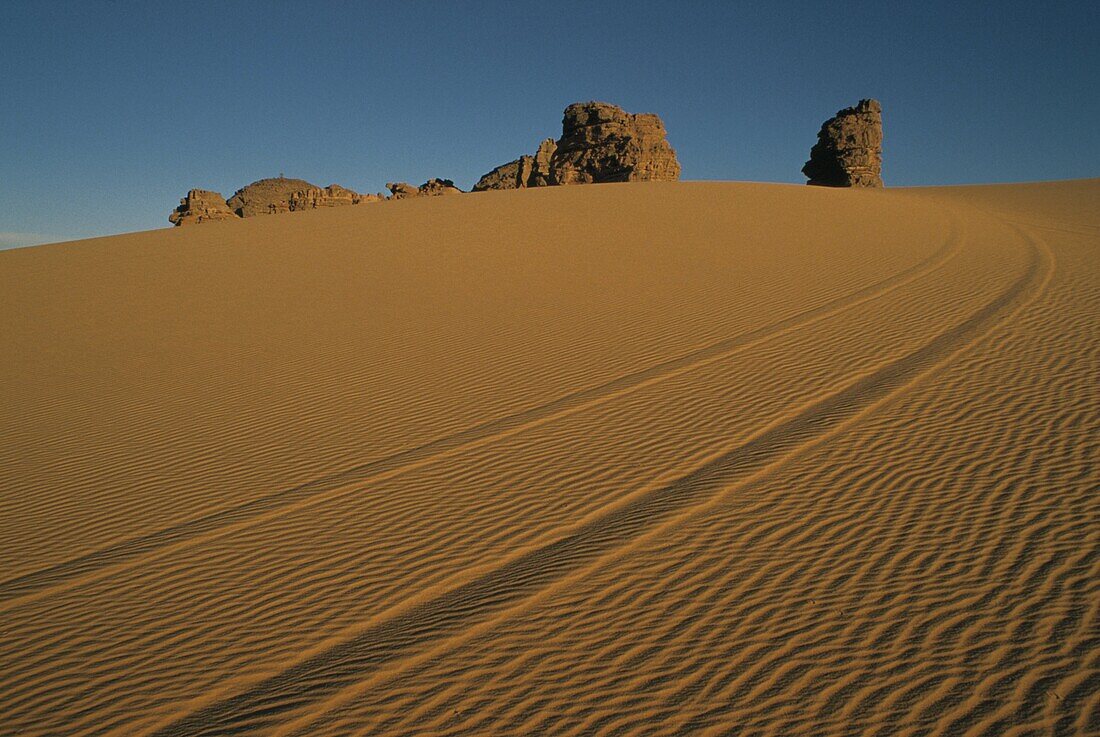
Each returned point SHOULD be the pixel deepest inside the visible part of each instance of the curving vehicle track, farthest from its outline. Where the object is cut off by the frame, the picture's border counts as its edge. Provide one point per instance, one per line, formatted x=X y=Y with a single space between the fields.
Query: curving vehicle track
x=627 y=460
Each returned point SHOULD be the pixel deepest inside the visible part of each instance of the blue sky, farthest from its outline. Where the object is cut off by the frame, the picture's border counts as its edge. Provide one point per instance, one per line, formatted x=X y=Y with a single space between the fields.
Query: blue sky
x=110 y=111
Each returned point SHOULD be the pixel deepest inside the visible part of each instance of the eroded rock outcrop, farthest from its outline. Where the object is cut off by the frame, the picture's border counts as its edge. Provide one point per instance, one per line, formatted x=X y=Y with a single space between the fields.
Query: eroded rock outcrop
x=848 y=152
x=430 y=188
x=603 y=143
x=434 y=187
x=541 y=164
x=267 y=196
x=599 y=143
x=513 y=175
x=401 y=190
x=264 y=197
x=331 y=196
x=200 y=206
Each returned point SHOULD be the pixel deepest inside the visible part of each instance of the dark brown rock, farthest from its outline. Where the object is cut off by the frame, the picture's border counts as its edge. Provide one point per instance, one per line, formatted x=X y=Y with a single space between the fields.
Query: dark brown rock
x=513 y=175
x=401 y=190
x=540 y=175
x=599 y=143
x=200 y=206
x=603 y=143
x=430 y=188
x=848 y=152
x=434 y=187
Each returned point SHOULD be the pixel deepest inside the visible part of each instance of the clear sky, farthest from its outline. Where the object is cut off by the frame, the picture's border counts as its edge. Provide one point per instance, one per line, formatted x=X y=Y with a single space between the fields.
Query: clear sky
x=110 y=111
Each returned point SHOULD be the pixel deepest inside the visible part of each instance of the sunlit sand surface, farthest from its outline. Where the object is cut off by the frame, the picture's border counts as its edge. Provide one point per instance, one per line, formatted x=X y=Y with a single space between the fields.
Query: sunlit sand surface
x=642 y=459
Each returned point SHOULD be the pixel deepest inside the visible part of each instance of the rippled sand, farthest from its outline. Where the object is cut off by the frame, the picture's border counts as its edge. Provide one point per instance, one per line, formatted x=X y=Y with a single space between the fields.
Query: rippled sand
x=647 y=459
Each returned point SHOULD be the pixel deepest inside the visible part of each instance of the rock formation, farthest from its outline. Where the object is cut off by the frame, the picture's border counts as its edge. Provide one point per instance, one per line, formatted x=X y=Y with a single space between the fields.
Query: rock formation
x=430 y=188
x=848 y=152
x=401 y=190
x=602 y=143
x=265 y=197
x=279 y=194
x=599 y=143
x=513 y=175
x=199 y=206
x=330 y=196
x=540 y=175
x=434 y=187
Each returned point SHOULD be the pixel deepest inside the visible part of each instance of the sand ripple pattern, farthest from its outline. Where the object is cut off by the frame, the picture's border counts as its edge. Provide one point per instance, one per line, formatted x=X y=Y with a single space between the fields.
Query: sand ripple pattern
x=875 y=515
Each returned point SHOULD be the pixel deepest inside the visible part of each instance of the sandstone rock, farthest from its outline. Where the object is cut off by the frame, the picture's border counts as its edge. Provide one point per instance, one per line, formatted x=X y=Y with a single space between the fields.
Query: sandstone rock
x=200 y=206
x=599 y=143
x=526 y=171
x=283 y=195
x=513 y=175
x=331 y=196
x=430 y=188
x=540 y=175
x=434 y=187
x=603 y=143
x=401 y=190
x=267 y=196
x=848 y=152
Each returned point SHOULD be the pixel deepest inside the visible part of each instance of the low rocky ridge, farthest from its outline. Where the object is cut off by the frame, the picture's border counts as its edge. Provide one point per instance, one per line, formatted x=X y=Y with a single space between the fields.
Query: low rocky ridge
x=331 y=196
x=199 y=206
x=526 y=171
x=279 y=194
x=267 y=196
x=599 y=143
x=430 y=188
x=848 y=152
x=434 y=187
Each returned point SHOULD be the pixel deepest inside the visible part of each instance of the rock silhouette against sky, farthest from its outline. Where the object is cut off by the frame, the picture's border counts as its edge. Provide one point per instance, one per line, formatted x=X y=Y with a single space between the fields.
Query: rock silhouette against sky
x=600 y=142
x=848 y=152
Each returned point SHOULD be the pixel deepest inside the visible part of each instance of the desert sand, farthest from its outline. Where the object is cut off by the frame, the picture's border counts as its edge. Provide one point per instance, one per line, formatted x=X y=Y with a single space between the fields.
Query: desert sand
x=628 y=459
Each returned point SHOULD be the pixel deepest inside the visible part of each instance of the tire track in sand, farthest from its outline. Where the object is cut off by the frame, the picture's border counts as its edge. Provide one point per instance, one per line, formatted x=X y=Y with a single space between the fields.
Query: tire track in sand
x=346 y=662
x=183 y=532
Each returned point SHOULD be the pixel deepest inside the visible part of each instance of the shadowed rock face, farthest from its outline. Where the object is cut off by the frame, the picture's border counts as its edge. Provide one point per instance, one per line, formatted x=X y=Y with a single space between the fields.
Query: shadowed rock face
x=513 y=175
x=200 y=206
x=603 y=143
x=437 y=186
x=401 y=190
x=541 y=173
x=430 y=188
x=848 y=152
x=526 y=171
x=599 y=143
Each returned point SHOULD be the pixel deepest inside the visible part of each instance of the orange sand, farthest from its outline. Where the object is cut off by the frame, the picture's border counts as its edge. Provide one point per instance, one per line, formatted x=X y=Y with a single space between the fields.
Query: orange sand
x=646 y=459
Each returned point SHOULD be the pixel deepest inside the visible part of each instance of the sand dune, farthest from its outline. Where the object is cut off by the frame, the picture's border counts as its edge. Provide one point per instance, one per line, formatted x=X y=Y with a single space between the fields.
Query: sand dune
x=644 y=459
